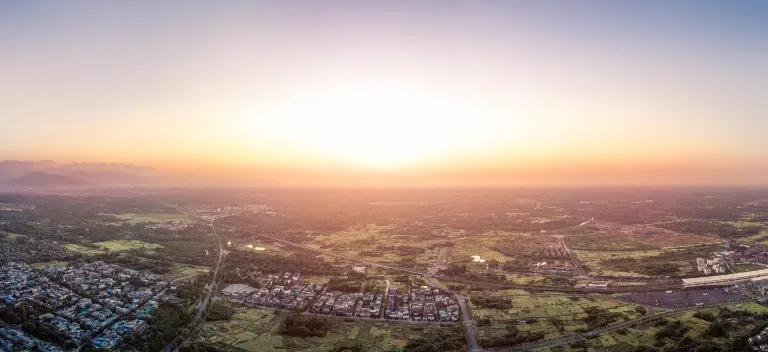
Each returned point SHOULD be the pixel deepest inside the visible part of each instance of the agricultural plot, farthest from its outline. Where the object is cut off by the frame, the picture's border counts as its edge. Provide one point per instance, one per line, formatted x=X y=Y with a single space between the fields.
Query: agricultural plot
x=256 y=330
x=77 y=248
x=748 y=267
x=606 y=241
x=51 y=264
x=138 y=218
x=185 y=272
x=123 y=245
x=376 y=244
x=683 y=298
x=695 y=329
x=552 y=315
x=594 y=261
x=475 y=249
x=670 y=239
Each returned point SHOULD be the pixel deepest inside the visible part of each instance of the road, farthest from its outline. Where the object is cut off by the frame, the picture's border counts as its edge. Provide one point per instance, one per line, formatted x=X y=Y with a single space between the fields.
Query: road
x=574 y=259
x=610 y=328
x=469 y=325
x=210 y=288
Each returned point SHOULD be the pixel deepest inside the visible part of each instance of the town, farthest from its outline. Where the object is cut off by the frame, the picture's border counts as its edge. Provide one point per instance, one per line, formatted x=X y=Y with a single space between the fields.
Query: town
x=287 y=291
x=93 y=303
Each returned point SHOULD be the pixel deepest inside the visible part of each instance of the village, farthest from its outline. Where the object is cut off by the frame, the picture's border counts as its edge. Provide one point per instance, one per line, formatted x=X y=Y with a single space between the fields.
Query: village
x=287 y=291
x=93 y=302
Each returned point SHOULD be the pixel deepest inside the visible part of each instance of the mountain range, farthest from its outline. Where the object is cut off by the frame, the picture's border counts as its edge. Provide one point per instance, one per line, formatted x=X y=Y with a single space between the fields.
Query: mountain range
x=46 y=173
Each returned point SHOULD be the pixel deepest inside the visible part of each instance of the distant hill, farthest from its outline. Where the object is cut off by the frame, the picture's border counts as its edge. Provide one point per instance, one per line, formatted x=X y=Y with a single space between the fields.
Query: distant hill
x=39 y=179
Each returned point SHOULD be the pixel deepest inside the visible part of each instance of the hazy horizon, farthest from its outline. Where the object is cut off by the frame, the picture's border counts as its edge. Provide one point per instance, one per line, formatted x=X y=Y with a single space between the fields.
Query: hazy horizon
x=484 y=93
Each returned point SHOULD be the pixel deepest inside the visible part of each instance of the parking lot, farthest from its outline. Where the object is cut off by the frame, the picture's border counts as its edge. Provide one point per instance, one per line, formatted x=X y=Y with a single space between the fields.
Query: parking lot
x=684 y=297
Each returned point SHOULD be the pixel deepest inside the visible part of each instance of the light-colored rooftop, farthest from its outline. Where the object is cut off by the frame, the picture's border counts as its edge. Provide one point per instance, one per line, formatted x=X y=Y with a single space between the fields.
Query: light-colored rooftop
x=724 y=278
x=237 y=288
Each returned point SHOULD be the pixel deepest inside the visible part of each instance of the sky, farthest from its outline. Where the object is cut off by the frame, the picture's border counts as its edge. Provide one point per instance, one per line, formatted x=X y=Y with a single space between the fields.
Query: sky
x=393 y=92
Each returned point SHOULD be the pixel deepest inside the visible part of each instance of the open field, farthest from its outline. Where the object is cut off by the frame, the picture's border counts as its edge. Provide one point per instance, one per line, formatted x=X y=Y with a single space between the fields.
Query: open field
x=593 y=260
x=12 y=235
x=257 y=329
x=606 y=241
x=136 y=218
x=553 y=315
x=374 y=243
x=696 y=330
x=123 y=245
x=185 y=272
x=43 y=265
x=749 y=267
x=670 y=239
x=82 y=249
x=658 y=263
x=465 y=248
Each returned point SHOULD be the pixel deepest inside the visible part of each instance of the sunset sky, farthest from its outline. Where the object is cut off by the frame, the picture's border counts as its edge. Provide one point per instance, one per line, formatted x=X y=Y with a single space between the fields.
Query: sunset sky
x=404 y=92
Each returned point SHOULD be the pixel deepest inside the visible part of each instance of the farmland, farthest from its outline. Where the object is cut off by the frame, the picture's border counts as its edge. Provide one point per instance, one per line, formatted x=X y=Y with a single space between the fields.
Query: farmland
x=379 y=244
x=256 y=330
x=606 y=241
x=138 y=218
x=123 y=245
x=550 y=315
x=78 y=248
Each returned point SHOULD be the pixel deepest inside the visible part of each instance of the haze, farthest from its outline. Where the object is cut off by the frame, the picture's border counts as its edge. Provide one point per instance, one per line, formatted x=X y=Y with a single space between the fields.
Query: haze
x=459 y=93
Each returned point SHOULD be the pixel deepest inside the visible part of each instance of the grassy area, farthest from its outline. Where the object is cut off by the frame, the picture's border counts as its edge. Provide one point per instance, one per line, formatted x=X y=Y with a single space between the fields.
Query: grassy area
x=185 y=272
x=748 y=267
x=137 y=218
x=43 y=265
x=670 y=239
x=593 y=260
x=123 y=245
x=83 y=249
x=552 y=315
x=376 y=243
x=12 y=235
x=606 y=241
x=257 y=329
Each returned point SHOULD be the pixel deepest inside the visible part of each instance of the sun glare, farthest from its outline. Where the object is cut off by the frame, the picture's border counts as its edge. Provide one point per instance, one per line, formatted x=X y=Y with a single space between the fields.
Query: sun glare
x=375 y=125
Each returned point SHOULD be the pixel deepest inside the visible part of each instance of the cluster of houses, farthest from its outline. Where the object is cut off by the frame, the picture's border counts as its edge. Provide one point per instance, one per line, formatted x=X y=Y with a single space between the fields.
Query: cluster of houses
x=15 y=340
x=212 y=212
x=716 y=265
x=287 y=291
x=759 y=342
x=752 y=255
x=19 y=283
x=12 y=250
x=174 y=225
x=279 y=291
x=16 y=207
x=102 y=304
x=429 y=304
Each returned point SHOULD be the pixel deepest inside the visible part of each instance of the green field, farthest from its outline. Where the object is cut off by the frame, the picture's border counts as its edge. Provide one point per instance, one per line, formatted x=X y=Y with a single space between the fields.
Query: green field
x=748 y=267
x=43 y=265
x=185 y=272
x=257 y=329
x=696 y=330
x=82 y=249
x=606 y=241
x=123 y=245
x=138 y=218
x=545 y=309
x=375 y=243
x=12 y=235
